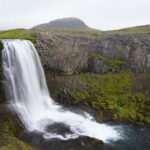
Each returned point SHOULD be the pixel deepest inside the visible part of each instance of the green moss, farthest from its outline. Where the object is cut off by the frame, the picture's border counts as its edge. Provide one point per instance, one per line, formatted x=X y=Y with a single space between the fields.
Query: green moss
x=121 y=96
x=17 y=34
x=12 y=143
x=112 y=84
x=10 y=131
x=112 y=64
x=9 y=125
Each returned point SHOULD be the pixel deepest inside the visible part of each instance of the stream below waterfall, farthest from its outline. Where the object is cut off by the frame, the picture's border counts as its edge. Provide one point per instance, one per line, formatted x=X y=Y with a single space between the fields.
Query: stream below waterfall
x=134 y=138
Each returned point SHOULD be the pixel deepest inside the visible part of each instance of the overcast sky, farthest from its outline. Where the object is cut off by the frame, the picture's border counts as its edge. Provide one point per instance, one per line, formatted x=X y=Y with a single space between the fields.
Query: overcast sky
x=100 y=14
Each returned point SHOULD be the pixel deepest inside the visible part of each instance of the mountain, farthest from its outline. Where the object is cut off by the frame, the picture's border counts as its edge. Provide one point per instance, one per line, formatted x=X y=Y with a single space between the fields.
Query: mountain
x=65 y=23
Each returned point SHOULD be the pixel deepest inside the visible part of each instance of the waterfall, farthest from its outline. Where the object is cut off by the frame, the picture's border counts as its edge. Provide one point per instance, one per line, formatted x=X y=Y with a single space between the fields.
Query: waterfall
x=29 y=97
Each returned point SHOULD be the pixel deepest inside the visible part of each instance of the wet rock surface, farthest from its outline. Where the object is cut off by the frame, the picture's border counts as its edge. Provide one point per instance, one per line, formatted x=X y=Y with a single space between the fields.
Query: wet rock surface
x=2 y=96
x=81 y=143
x=14 y=137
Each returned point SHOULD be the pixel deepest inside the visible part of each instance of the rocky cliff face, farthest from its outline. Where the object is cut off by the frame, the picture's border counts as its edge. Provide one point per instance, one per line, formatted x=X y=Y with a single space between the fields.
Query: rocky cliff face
x=69 y=54
x=121 y=96
x=63 y=54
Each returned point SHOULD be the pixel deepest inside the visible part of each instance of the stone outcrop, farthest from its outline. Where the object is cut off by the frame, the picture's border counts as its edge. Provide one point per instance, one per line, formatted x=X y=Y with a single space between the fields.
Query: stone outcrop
x=69 y=54
x=62 y=54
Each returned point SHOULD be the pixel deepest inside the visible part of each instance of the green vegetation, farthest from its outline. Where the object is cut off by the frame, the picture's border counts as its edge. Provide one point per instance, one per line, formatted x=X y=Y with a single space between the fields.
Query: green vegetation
x=8 y=137
x=120 y=96
x=10 y=131
x=30 y=34
x=134 y=30
x=76 y=32
x=17 y=34
x=12 y=143
x=113 y=65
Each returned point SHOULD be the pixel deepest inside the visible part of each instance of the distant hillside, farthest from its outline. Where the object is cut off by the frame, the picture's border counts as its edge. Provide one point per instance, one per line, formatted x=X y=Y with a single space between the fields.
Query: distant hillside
x=136 y=29
x=65 y=23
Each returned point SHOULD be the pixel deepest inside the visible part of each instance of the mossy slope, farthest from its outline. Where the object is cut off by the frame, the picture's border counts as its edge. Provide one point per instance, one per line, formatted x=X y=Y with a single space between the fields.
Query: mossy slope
x=117 y=96
x=132 y=30
x=17 y=34
x=10 y=131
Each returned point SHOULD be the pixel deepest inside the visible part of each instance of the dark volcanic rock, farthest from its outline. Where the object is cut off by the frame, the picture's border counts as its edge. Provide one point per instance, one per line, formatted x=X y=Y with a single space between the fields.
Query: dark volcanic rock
x=65 y=23
x=81 y=143
x=2 y=97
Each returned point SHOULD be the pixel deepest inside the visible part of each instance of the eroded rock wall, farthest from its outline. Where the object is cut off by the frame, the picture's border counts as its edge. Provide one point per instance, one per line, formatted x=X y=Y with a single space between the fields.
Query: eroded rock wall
x=69 y=54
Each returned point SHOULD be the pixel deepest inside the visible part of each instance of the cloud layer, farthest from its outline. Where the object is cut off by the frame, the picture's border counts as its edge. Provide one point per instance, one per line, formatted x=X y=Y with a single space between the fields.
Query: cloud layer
x=100 y=14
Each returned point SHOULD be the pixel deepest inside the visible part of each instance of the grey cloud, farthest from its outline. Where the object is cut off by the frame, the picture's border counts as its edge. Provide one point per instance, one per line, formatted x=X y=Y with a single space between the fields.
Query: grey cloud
x=101 y=14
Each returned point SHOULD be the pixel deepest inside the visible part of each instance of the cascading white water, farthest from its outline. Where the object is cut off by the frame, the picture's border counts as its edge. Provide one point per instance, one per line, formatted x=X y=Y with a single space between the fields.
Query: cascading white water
x=29 y=96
